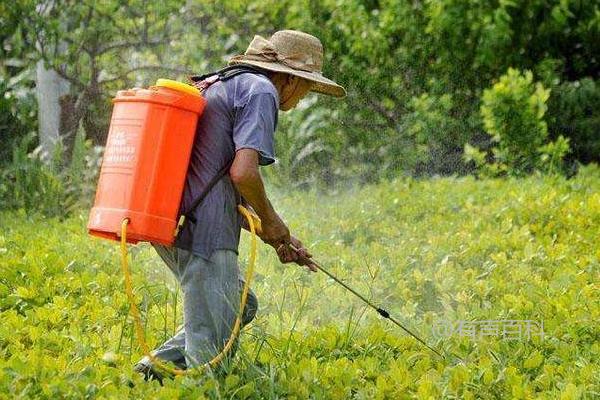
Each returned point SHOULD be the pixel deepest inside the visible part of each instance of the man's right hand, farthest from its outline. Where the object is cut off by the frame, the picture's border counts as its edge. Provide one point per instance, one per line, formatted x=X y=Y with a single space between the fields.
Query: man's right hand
x=294 y=251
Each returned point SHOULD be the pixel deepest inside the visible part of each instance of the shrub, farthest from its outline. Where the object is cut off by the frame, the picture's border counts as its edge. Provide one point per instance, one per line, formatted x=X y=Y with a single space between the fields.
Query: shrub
x=302 y=151
x=17 y=112
x=433 y=132
x=36 y=183
x=28 y=183
x=552 y=155
x=80 y=175
x=573 y=111
x=513 y=112
x=312 y=149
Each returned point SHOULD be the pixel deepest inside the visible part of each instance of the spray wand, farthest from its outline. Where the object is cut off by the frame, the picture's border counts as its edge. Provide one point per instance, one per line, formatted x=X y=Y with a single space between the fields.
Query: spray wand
x=381 y=311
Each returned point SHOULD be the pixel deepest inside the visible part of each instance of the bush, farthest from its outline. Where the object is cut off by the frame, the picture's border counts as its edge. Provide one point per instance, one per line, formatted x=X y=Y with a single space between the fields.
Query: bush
x=573 y=111
x=513 y=111
x=27 y=183
x=433 y=134
x=81 y=174
x=553 y=154
x=398 y=59
x=17 y=112
x=513 y=114
x=36 y=183
x=305 y=154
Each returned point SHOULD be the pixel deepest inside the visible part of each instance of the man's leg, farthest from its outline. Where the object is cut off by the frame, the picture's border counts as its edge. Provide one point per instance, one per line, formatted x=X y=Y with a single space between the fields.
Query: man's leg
x=173 y=349
x=251 y=307
x=210 y=304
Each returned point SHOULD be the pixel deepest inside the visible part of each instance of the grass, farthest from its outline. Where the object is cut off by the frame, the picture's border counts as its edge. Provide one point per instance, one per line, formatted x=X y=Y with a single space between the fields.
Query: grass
x=451 y=249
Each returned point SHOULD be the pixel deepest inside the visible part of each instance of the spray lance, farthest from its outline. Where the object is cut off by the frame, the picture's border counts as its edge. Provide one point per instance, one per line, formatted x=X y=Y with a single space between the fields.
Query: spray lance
x=385 y=314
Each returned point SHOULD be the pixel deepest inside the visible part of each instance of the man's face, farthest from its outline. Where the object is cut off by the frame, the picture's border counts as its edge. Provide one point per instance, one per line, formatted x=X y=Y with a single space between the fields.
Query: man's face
x=293 y=91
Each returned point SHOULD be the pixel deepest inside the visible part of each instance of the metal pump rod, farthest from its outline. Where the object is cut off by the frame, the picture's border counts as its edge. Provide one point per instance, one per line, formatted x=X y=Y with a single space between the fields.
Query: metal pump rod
x=380 y=310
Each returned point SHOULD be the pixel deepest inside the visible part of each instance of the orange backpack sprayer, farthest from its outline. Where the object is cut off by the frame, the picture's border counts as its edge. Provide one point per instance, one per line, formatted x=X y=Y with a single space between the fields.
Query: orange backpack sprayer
x=145 y=161
x=142 y=179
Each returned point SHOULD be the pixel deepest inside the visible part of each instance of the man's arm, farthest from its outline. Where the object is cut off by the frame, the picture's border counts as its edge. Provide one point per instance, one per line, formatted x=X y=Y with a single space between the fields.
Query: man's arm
x=246 y=178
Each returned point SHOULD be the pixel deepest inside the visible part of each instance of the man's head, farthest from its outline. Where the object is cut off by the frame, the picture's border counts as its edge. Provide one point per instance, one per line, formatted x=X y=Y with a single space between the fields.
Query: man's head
x=295 y=60
x=291 y=89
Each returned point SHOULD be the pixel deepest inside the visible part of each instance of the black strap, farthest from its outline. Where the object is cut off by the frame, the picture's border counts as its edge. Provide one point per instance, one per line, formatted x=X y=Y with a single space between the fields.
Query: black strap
x=189 y=214
x=229 y=72
x=223 y=75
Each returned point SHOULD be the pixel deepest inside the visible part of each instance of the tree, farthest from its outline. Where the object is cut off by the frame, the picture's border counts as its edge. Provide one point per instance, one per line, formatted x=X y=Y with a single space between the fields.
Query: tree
x=91 y=48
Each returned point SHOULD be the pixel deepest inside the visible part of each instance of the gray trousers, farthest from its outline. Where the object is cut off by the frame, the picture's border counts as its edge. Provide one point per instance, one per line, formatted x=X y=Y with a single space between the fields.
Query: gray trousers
x=211 y=299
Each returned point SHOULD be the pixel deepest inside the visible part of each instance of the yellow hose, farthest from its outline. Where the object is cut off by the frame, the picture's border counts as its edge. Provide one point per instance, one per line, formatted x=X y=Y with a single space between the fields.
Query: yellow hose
x=254 y=225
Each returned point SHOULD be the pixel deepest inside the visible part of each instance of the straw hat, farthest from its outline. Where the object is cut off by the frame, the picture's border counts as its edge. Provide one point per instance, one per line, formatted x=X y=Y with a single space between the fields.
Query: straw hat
x=292 y=52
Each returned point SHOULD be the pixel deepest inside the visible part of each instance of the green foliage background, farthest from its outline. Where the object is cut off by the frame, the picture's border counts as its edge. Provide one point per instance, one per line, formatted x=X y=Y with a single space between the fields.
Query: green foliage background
x=415 y=70
x=452 y=248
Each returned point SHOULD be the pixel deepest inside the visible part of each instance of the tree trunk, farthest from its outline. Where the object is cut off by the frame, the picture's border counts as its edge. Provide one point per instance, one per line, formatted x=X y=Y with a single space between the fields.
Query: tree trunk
x=50 y=88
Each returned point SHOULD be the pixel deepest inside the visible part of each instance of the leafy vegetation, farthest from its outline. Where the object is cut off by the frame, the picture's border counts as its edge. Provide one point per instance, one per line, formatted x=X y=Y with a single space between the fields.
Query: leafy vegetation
x=50 y=185
x=448 y=248
x=513 y=114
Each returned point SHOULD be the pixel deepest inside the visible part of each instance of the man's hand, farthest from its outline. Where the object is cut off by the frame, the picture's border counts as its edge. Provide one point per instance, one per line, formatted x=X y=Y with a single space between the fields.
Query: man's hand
x=300 y=256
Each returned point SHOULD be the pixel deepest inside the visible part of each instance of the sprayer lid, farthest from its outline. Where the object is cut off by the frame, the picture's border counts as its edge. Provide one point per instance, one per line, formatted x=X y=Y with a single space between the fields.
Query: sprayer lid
x=179 y=86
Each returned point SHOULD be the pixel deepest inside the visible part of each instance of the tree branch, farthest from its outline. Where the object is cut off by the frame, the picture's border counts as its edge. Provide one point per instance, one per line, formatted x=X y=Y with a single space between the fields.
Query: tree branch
x=387 y=114
x=126 y=44
x=144 y=68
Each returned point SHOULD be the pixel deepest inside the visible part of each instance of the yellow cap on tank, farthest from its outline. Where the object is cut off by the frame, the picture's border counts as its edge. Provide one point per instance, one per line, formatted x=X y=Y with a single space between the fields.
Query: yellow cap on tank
x=179 y=86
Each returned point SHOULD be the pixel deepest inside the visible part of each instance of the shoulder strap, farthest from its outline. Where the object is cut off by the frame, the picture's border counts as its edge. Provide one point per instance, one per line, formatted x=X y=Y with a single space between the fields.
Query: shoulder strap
x=202 y=82
x=189 y=214
x=229 y=72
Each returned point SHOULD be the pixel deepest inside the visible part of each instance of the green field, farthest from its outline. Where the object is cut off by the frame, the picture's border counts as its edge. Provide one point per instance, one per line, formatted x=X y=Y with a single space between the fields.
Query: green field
x=451 y=249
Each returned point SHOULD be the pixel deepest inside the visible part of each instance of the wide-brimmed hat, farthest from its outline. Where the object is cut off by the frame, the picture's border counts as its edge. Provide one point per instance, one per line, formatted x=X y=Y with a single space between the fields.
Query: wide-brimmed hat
x=292 y=52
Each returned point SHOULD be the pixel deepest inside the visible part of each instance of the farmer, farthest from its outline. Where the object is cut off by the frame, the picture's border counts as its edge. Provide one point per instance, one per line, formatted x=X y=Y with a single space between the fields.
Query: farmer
x=238 y=124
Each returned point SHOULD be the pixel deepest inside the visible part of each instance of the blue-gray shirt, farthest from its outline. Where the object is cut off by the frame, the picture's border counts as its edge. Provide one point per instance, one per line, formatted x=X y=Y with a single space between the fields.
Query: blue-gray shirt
x=240 y=113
